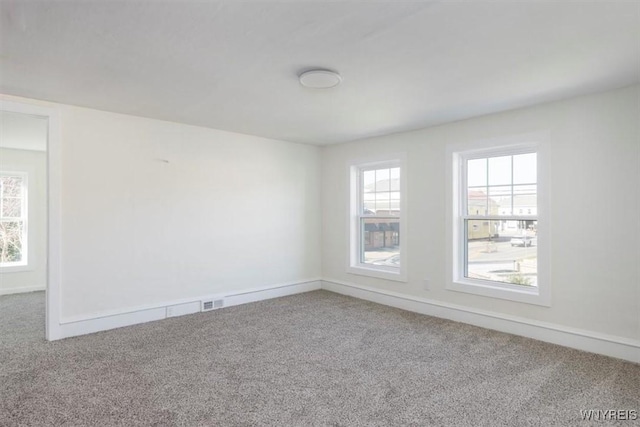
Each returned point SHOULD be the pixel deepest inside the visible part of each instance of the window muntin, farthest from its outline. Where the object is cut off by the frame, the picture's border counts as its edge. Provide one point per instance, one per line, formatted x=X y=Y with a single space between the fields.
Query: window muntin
x=13 y=219
x=498 y=218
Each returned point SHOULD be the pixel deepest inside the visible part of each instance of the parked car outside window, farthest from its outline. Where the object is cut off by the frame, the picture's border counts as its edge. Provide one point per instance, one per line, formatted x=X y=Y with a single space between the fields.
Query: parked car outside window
x=522 y=240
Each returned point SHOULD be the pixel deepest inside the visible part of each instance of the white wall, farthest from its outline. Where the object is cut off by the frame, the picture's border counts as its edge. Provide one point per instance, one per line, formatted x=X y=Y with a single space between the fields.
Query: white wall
x=33 y=276
x=594 y=216
x=154 y=212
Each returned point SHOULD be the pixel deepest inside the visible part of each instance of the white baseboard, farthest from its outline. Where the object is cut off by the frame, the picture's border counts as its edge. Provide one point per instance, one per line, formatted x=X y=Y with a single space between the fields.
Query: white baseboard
x=104 y=323
x=608 y=345
x=259 y=294
x=81 y=325
x=22 y=290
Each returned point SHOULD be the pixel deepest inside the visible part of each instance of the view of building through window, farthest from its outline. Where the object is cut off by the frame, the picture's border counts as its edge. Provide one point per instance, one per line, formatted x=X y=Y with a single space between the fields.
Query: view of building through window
x=501 y=219
x=380 y=216
x=12 y=220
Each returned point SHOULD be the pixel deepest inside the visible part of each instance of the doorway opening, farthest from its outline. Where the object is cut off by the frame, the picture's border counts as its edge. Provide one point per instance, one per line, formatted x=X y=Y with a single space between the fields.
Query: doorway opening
x=29 y=259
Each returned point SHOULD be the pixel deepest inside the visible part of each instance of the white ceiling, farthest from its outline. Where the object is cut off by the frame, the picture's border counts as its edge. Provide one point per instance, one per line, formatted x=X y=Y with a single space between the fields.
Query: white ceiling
x=233 y=65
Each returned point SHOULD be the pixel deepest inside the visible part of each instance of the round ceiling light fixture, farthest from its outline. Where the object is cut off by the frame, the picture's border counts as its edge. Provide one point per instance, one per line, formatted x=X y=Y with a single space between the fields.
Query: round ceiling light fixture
x=320 y=79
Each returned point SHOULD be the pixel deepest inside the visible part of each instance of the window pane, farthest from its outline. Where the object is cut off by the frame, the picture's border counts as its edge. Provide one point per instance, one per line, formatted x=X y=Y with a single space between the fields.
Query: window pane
x=368 y=192
x=477 y=173
x=500 y=200
x=525 y=205
x=382 y=179
x=502 y=251
x=11 y=186
x=525 y=168
x=502 y=205
x=500 y=170
x=368 y=180
x=395 y=179
x=395 y=207
x=11 y=207
x=476 y=202
x=369 y=203
x=11 y=233
x=394 y=203
x=380 y=242
x=382 y=203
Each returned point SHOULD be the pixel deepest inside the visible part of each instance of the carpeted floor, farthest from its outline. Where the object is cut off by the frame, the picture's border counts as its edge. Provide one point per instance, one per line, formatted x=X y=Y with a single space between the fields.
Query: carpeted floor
x=311 y=359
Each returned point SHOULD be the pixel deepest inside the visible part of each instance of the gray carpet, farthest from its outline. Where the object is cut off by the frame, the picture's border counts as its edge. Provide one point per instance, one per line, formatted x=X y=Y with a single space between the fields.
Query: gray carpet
x=312 y=359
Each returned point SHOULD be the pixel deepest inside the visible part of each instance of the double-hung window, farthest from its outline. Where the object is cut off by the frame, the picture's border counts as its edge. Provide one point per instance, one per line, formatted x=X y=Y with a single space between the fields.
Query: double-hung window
x=496 y=225
x=376 y=219
x=13 y=219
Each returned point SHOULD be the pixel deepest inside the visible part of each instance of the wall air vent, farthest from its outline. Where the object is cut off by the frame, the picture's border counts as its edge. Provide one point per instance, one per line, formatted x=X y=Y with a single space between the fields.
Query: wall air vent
x=212 y=304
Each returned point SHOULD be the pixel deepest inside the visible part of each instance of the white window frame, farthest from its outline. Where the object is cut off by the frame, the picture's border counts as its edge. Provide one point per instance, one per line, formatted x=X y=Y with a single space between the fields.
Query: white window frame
x=354 y=262
x=23 y=264
x=457 y=155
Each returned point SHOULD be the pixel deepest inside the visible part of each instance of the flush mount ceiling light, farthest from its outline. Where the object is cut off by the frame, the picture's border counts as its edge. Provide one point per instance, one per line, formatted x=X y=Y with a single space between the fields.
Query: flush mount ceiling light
x=320 y=79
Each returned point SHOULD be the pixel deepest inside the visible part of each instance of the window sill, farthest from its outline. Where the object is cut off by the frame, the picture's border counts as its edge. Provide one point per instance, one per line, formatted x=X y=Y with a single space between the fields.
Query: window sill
x=16 y=269
x=528 y=295
x=379 y=273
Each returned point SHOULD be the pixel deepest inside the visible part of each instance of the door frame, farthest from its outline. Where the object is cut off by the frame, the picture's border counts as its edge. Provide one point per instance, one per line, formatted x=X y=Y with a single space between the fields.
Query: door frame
x=53 y=258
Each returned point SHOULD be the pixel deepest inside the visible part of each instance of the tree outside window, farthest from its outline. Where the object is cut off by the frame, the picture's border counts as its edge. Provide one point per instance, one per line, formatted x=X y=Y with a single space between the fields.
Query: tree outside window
x=13 y=219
